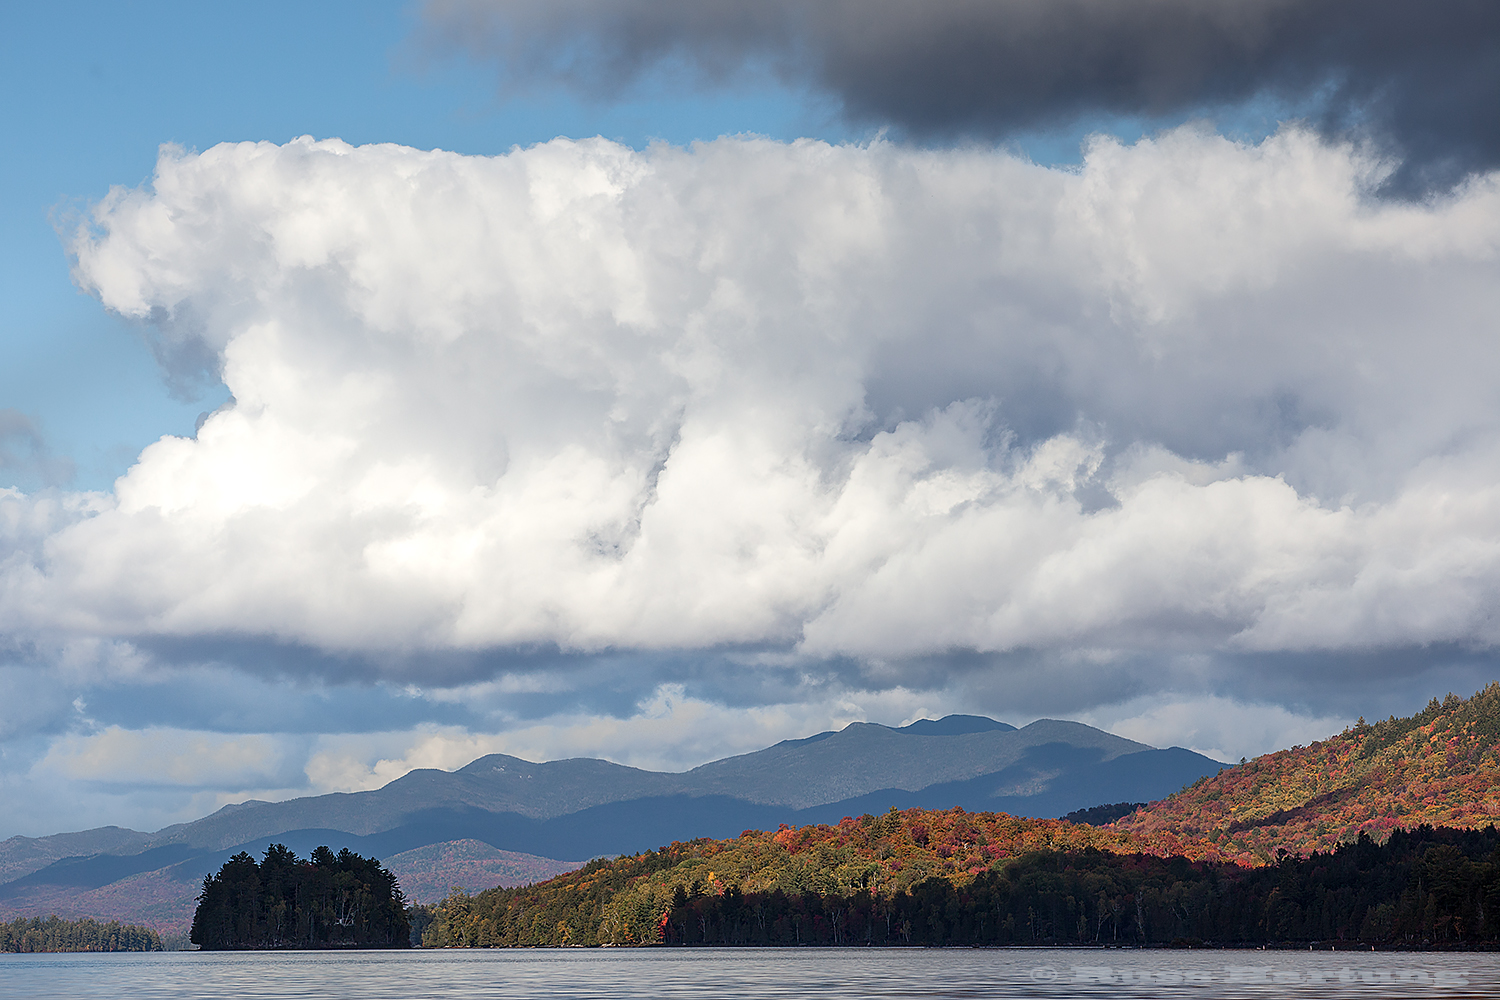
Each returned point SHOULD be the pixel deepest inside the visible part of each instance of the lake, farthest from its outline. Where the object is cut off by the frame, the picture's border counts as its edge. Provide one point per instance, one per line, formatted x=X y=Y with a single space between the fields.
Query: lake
x=736 y=973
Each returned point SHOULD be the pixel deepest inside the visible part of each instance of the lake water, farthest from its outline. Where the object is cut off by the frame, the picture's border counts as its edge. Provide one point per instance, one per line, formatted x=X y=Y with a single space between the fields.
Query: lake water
x=738 y=974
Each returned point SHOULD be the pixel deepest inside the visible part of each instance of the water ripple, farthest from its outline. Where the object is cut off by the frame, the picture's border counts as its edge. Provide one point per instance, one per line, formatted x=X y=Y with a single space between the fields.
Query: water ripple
x=606 y=974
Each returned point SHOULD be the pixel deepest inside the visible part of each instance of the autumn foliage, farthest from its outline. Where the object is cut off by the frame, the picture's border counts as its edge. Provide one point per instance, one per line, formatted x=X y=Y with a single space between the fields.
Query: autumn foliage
x=622 y=901
x=1440 y=767
x=836 y=885
x=1232 y=851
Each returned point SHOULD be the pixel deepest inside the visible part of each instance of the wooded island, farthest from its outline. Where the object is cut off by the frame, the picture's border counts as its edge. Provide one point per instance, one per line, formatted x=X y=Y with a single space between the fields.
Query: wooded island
x=327 y=901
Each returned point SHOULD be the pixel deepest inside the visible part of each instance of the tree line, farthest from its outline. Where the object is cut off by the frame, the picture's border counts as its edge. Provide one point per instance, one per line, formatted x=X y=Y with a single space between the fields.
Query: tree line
x=1427 y=888
x=1423 y=888
x=327 y=901
x=1100 y=815
x=621 y=901
x=54 y=934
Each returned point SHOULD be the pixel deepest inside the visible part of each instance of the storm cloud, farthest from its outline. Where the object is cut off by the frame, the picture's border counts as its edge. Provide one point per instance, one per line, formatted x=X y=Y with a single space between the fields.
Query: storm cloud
x=1419 y=79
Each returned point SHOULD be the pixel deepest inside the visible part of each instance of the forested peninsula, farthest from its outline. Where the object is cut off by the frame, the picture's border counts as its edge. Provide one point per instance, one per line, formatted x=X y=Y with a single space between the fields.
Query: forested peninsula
x=327 y=901
x=1424 y=888
x=54 y=934
x=1380 y=835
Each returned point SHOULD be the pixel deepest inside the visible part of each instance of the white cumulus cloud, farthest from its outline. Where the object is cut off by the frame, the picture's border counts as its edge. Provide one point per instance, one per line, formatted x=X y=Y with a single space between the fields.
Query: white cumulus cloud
x=857 y=404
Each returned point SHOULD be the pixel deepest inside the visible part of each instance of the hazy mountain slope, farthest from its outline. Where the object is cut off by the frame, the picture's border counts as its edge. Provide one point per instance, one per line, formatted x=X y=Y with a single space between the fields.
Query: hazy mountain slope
x=861 y=759
x=22 y=855
x=428 y=873
x=495 y=783
x=95 y=870
x=1047 y=781
x=580 y=808
x=865 y=758
x=1439 y=767
x=154 y=899
x=1023 y=789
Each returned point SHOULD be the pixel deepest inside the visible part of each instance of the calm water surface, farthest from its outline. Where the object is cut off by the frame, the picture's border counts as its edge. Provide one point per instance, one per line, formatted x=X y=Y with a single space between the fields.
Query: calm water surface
x=638 y=975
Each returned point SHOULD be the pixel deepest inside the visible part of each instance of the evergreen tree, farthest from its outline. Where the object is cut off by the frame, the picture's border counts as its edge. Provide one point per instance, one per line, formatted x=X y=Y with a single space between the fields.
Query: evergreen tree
x=328 y=901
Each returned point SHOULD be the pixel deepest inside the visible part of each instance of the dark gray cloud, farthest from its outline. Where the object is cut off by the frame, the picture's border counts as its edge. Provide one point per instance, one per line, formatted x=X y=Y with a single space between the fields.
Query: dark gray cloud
x=1422 y=78
x=1374 y=683
x=232 y=701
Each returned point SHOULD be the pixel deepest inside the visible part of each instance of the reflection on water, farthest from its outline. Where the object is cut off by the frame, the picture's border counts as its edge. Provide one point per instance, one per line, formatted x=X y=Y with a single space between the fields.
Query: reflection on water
x=606 y=973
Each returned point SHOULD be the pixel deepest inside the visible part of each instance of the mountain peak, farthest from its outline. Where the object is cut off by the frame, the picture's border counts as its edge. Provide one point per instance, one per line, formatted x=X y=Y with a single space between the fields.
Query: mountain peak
x=955 y=725
x=496 y=762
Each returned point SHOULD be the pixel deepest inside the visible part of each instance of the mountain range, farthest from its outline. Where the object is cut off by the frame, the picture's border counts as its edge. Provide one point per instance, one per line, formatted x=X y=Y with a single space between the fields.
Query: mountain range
x=504 y=820
x=1382 y=834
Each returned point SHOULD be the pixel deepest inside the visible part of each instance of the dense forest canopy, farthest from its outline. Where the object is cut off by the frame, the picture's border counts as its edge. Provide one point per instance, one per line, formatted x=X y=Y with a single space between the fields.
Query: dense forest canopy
x=1331 y=842
x=328 y=901
x=54 y=934
x=885 y=854
x=1426 y=888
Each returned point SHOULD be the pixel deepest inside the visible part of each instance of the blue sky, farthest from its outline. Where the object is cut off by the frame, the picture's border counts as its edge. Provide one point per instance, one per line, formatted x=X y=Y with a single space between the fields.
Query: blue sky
x=95 y=88
x=98 y=87
x=660 y=451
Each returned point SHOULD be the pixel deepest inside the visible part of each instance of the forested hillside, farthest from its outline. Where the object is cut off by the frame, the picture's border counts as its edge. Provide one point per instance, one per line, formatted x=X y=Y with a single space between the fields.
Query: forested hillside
x=622 y=901
x=1420 y=889
x=957 y=879
x=1439 y=767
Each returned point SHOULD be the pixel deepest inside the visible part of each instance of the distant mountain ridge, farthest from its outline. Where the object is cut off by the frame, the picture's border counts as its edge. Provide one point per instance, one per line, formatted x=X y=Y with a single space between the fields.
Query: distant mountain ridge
x=501 y=818
x=22 y=855
x=569 y=810
x=859 y=760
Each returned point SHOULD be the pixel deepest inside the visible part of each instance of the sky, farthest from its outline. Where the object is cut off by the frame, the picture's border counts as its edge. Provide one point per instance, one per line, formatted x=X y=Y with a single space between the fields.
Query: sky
x=386 y=384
